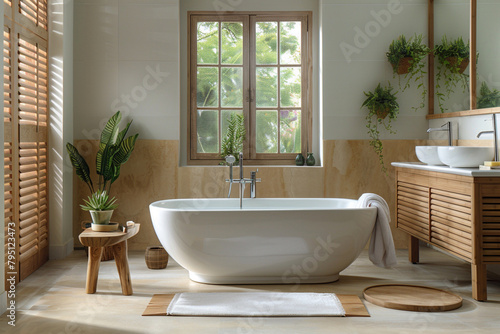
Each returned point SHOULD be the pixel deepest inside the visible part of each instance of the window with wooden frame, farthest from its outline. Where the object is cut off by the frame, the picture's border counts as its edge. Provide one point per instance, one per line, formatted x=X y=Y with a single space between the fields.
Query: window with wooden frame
x=25 y=63
x=258 y=65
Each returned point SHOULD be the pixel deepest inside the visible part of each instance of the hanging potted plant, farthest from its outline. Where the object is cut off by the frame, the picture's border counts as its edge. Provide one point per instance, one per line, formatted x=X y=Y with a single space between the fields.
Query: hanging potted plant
x=407 y=58
x=489 y=98
x=453 y=59
x=382 y=108
x=114 y=150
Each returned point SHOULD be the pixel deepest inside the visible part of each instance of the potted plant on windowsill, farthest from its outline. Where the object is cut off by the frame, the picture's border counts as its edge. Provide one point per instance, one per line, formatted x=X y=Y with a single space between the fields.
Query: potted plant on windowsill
x=453 y=59
x=407 y=58
x=232 y=142
x=382 y=108
x=114 y=150
x=489 y=98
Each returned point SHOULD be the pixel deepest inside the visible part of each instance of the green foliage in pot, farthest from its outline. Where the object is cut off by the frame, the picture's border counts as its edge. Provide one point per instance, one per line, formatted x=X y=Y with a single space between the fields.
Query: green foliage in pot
x=232 y=142
x=489 y=98
x=453 y=58
x=114 y=150
x=99 y=201
x=383 y=108
x=407 y=57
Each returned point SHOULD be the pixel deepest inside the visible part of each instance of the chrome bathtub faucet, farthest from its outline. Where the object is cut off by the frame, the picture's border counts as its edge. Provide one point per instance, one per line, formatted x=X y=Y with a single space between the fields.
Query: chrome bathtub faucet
x=445 y=127
x=242 y=181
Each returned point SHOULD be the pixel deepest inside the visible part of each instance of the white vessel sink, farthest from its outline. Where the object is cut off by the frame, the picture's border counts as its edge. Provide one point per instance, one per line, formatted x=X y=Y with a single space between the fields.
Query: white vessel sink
x=428 y=155
x=465 y=156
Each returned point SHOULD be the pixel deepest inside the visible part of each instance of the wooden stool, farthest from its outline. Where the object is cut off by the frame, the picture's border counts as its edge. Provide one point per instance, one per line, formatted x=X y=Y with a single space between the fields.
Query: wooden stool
x=96 y=241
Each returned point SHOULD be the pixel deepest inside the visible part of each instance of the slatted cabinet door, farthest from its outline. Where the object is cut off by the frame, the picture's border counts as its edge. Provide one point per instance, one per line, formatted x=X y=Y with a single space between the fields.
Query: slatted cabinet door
x=451 y=222
x=413 y=209
x=490 y=216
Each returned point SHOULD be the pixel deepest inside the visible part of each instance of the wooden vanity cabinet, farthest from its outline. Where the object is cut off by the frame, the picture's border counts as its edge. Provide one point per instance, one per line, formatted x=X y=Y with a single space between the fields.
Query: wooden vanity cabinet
x=458 y=214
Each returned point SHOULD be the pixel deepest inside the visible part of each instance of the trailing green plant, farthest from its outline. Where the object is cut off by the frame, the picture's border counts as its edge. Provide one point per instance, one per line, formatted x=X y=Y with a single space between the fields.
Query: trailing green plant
x=114 y=150
x=489 y=98
x=99 y=201
x=407 y=57
x=383 y=109
x=232 y=142
x=453 y=58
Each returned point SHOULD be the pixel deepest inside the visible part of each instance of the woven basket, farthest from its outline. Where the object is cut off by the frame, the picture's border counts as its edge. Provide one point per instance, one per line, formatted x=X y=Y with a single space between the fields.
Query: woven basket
x=463 y=65
x=404 y=65
x=156 y=257
x=382 y=113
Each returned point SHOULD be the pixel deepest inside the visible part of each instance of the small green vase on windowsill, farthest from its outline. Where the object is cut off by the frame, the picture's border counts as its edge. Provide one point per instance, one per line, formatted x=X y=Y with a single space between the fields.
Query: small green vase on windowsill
x=299 y=160
x=310 y=161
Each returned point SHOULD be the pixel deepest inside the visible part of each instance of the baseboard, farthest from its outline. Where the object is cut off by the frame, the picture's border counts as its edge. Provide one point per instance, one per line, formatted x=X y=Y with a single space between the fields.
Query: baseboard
x=3 y=302
x=57 y=252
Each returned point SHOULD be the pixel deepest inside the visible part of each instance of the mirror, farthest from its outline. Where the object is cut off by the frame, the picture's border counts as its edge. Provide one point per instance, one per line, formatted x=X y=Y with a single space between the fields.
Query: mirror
x=451 y=69
x=488 y=48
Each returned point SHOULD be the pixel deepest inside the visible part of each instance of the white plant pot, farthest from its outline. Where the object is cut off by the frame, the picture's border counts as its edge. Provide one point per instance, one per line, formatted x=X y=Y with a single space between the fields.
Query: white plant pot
x=101 y=217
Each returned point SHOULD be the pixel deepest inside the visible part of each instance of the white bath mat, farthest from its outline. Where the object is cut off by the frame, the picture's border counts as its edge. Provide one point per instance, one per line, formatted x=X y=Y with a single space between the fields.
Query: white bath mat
x=256 y=304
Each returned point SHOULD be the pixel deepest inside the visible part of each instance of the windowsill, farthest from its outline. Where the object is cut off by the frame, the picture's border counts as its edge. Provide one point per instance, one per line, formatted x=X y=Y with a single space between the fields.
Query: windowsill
x=256 y=166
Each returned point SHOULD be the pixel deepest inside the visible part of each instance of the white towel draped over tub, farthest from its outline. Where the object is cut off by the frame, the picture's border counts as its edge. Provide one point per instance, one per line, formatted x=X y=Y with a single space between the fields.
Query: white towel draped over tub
x=382 y=252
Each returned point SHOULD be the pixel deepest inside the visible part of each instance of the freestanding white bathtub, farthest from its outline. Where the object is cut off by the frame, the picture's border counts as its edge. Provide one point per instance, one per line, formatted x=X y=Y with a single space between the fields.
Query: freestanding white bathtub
x=269 y=241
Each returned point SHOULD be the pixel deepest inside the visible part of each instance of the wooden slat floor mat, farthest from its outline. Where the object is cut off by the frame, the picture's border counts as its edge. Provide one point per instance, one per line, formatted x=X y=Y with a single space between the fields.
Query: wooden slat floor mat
x=352 y=304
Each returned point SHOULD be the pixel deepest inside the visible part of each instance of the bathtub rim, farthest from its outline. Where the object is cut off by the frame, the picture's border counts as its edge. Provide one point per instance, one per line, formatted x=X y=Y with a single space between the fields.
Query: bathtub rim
x=248 y=202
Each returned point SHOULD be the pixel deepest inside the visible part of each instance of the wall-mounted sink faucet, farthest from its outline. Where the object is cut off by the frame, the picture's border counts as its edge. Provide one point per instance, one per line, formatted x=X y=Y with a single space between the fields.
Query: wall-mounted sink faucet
x=242 y=181
x=445 y=127
x=494 y=132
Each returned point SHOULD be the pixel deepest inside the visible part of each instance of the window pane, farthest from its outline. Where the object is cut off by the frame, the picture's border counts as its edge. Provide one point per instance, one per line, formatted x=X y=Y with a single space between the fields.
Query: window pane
x=267 y=131
x=290 y=131
x=232 y=43
x=208 y=43
x=232 y=87
x=207 y=82
x=225 y=116
x=207 y=130
x=290 y=37
x=266 y=36
x=290 y=84
x=267 y=87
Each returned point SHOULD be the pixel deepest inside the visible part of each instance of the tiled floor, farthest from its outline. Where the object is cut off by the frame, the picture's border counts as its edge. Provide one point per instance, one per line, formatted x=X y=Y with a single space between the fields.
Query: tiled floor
x=53 y=300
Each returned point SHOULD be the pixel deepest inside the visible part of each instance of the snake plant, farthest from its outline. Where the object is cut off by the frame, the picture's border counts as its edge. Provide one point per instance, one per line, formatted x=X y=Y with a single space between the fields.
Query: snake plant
x=114 y=151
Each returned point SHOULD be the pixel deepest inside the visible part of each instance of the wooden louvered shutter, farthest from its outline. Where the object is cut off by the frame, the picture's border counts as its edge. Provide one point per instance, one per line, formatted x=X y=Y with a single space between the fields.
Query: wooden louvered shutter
x=11 y=230
x=32 y=114
x=34 y=11
x=25 y=140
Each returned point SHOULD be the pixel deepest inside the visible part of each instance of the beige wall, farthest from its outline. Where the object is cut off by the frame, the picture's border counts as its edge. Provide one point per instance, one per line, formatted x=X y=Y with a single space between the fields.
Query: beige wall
x=350 y=169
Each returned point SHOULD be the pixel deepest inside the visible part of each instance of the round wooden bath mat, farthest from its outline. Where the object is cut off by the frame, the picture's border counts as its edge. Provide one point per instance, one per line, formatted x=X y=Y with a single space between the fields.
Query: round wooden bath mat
x=412 y=298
